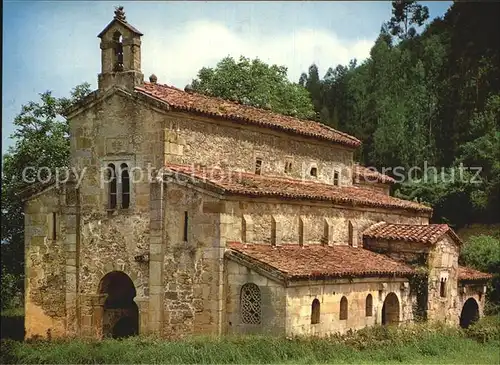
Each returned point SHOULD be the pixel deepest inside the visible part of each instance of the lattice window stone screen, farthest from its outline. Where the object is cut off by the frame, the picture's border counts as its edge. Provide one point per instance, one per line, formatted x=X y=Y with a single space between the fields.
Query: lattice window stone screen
x=250 y=304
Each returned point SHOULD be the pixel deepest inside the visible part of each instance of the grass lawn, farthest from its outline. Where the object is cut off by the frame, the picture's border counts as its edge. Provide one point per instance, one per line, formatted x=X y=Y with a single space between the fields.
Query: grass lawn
x=412 y=344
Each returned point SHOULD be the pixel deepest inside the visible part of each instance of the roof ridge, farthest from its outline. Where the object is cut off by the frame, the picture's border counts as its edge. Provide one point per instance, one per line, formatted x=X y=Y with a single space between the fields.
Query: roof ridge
x=273 y=177
x=425 y=233
x=251 y=107
x=371 y=171
x=302 y=262
x=419 y=225
x=263 y=185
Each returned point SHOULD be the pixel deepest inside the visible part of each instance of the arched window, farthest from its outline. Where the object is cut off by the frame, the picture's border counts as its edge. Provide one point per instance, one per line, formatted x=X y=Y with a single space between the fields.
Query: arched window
x=118 y=39
x=111 y=186
x=250 y=304
x=315 y=311
x=442 y=288
x=369 y=305
x=343 y=308
x=125 y=180
x=314 y=171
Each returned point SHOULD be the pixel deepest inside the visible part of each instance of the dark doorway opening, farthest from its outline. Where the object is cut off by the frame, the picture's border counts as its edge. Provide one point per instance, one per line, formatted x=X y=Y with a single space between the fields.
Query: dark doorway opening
x=470 y=313
x=121 y=315
x=390 y=310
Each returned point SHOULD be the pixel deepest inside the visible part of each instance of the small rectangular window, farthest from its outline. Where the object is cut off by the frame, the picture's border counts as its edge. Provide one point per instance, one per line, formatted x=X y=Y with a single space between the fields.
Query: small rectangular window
x=112 y=186
x=442 y=288
x=125 y=180
x=288 y=167
x=258 y=166
x=336 y=178
x=54 y=226
x=185 y=235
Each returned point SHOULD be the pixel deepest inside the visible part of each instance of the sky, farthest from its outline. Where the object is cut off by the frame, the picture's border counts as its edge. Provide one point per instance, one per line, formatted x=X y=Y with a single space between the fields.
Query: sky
x=53 y=45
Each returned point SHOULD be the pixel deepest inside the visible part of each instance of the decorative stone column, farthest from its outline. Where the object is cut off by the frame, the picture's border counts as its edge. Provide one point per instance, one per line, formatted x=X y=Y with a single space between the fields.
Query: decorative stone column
x=142 y=305
x=98 y=315
x=156 y=257
x=70 y=212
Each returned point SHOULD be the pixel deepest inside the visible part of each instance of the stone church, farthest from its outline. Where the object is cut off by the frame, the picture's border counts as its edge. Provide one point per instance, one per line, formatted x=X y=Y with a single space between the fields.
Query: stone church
x=190 y=214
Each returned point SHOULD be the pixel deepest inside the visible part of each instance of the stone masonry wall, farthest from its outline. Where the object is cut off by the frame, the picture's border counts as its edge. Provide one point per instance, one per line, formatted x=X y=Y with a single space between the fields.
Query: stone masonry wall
x=312 y=217
x=131 y=75
x=273 y=301
x=300 y=297
x=380 y=188
x=116 y=130
x=45 y=282
x=192 y=268
x=196 y=140
x=443 y=264
x=441 y=261
x=409 y=252
x=468 y=290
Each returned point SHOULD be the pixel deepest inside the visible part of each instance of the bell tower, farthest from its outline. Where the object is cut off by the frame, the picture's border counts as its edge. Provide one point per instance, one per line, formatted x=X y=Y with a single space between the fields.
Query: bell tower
x=120 y=54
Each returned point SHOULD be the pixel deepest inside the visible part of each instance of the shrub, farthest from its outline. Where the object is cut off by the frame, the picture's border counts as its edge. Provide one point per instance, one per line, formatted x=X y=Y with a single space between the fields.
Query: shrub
x=10 y=295
x=483 y=253
x=485 y=330
x=412 y=343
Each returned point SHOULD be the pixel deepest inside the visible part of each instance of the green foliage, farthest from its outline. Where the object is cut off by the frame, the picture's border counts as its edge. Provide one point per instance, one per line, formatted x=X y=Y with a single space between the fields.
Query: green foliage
x=423 y=343
x=445 y=191
x=405 y=14
x=253 y=82
x=419 y=285
x=487 y=329
x=41 y=140
x=10 y=293
x=430 y=98
x=483 y=253
x=483 y=150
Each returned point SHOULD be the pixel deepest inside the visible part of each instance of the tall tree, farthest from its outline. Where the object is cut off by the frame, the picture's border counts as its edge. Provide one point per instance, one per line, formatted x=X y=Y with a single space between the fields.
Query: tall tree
x=405 y=15
x=41 y=140
x=255 y=83
x=312 y=83
x=430 y=98
x=472 y=72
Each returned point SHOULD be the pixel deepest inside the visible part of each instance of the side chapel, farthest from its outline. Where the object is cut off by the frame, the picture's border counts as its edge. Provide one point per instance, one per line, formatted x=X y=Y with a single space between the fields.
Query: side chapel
x=219 y=218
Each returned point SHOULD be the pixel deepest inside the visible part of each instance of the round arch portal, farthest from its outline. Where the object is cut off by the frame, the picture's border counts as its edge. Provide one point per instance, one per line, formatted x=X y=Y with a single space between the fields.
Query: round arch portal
x=390 y=310
x=121 y=315
x=470 y=313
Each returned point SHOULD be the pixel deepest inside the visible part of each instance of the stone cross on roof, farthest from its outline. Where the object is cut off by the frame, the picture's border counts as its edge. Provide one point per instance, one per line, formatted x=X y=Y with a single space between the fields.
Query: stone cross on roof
x=120 y=13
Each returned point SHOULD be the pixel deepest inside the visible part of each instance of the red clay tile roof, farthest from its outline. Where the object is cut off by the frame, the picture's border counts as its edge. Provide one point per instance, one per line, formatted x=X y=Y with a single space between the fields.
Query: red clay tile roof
x=260 y=185
x=428 y=234
x=467 y=273
x=369 y=175
x=317 y=261
x=217 y=107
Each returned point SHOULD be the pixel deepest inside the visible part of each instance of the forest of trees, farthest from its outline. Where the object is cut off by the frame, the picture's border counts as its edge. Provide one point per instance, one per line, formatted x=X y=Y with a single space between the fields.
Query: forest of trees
x=429 y=93
x=432 y=97
x=429 y=99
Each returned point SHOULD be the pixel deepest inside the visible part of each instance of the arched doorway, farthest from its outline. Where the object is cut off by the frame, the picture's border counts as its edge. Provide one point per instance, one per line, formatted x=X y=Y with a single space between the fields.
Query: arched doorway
x=121 y=315
x=390 y=309
x=470 y=313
